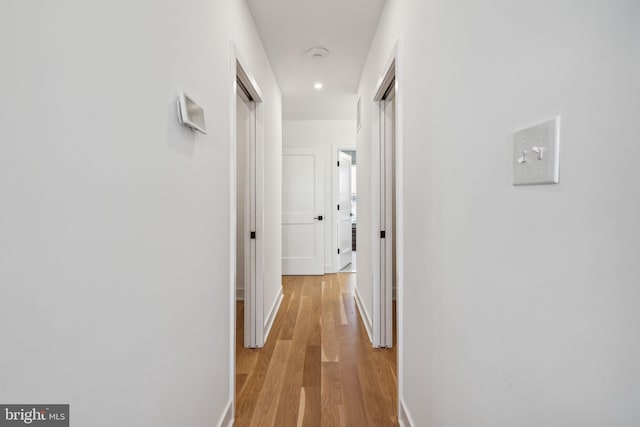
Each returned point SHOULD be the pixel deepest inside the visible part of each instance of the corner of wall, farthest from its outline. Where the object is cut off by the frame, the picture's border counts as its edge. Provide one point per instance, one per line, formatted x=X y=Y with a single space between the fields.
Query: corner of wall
x=271 y=316
x=366 y=319
x=329 y=269
x=226 y=420
x=404 y=418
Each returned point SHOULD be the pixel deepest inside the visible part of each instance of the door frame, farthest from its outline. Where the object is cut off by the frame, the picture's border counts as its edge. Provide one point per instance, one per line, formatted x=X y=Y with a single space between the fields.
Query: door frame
x=253 y=305
x=334 y=201
x=382 y=289
x=392 y=69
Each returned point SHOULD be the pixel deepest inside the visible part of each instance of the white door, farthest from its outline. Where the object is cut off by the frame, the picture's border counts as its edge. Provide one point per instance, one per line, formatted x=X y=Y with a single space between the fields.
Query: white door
x=302 y=212
x=343 y=216
x=246 y=216
x=387 y=217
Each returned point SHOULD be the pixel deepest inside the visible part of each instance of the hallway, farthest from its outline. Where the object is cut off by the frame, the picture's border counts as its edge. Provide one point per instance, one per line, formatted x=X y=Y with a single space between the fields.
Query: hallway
x=317 y=366
x=517 y=305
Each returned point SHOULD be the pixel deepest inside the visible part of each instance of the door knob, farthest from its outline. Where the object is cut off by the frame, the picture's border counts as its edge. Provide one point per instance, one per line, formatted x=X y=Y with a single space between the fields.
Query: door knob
x=319 y=218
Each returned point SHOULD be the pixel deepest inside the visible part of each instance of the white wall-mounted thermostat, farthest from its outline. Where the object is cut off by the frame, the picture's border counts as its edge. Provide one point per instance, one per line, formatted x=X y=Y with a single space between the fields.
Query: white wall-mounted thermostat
x=536 y=154
x=190 y=114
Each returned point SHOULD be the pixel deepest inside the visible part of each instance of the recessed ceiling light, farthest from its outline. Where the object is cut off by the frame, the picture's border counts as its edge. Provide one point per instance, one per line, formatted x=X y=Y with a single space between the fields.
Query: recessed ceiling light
x=318 y=85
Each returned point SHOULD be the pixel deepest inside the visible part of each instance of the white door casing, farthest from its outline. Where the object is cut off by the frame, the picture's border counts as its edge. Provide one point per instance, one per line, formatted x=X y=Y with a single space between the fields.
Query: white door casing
x=302 y=211
x=384 y=177
x=247 y=243
x=343 y=215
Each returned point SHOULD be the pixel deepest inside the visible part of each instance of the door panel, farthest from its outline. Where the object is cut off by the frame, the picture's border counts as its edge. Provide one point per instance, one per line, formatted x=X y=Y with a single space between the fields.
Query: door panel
x=343 y=216
x=387 y=262
x=298 y=174
x=302 y=206
x=246 y=270
x=296 y=241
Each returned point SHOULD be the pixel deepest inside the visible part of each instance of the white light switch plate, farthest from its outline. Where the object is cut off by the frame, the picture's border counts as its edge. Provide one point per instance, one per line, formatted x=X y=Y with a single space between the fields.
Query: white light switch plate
x=536 y=152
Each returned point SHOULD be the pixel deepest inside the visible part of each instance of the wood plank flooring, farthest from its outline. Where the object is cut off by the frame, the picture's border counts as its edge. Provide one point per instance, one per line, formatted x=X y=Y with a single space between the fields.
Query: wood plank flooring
x=317 y=367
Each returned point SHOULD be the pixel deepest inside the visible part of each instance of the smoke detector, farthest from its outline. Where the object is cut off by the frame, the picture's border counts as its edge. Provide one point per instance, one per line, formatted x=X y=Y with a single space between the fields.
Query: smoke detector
x=317 y=53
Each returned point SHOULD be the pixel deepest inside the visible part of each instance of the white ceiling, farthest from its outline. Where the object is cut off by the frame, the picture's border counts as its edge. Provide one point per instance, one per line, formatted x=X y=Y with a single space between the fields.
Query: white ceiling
x=289 y=27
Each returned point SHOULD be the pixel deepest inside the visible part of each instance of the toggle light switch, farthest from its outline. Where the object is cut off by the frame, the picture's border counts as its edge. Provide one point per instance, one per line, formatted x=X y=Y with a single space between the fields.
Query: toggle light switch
x=523 y=159
x=540 y=151
x=544 y=140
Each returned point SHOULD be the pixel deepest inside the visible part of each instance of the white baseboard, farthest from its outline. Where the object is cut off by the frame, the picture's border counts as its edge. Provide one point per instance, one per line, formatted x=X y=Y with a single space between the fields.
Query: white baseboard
x=272 y=314
x=227 y=418
x=404 y=419
x=239 y=294
x=364 y=315
x=329 y=269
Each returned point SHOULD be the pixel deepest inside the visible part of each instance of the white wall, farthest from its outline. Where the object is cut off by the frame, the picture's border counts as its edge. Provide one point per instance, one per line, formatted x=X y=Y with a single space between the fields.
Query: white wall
x=328 y=136
x=114 y=255
x=520 y=304
x=272 y=279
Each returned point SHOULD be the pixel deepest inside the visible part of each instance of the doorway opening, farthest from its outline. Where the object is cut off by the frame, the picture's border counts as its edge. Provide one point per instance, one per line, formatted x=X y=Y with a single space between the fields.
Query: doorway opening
x=246 y=155
x=385 y=209
x=247 y=237
x=346 y=218
x=245 y=211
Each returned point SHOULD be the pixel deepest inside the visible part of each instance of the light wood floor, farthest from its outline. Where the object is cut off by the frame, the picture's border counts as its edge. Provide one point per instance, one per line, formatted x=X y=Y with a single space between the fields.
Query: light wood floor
x=318 y=367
